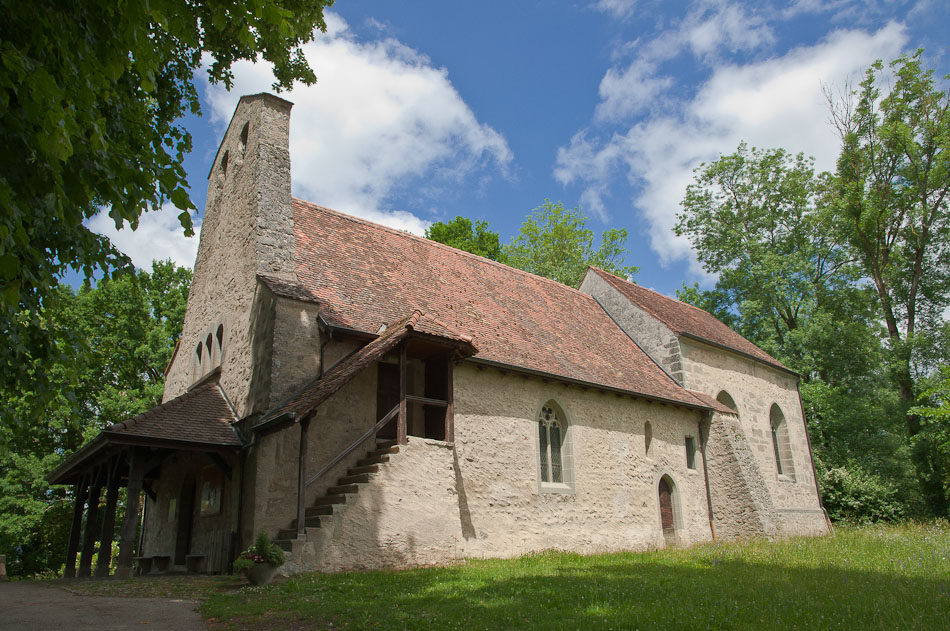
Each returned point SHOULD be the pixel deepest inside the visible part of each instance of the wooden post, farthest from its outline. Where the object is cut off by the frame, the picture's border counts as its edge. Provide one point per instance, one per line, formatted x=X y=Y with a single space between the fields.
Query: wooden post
x=401 y=419
x=130 y=525
x=91 y=532
x=72 y=548
x=450 y=405
x=108 y=524
x=302 y=480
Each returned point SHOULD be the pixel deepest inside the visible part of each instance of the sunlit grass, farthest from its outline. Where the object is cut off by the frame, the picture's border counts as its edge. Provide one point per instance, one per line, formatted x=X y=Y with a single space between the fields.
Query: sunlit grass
x=875 y=577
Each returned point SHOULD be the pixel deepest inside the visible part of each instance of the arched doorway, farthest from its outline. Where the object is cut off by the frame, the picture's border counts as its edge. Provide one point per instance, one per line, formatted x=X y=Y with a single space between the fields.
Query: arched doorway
x=666 y=507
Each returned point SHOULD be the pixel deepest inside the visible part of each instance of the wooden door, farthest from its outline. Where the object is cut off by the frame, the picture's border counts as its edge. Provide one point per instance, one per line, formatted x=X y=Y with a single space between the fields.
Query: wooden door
x=387 y=396
x=666 y=507
x=186 y=511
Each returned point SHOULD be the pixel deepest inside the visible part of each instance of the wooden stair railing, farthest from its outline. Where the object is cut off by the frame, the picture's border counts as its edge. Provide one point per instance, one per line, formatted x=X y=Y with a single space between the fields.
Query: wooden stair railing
x=359 y=441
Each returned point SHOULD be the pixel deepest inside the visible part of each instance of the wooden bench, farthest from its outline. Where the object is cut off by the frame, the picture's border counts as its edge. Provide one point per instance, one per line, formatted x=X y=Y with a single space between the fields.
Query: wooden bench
x=161 y=562
x=195 y=563
x=144 y=564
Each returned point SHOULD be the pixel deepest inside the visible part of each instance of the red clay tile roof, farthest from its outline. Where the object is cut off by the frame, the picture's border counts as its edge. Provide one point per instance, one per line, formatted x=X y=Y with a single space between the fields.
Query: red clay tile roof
x=712 y=402
x=370 y=275
x=201 y=415
x=685 y=319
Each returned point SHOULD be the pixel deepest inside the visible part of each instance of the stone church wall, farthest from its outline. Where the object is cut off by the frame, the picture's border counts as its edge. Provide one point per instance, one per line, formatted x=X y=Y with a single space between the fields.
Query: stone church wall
x=755 y=387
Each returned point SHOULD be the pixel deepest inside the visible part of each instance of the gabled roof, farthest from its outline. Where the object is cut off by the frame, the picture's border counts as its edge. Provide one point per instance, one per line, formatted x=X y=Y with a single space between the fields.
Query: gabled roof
x=318 y=391
x=685 y=319
x=369 y=275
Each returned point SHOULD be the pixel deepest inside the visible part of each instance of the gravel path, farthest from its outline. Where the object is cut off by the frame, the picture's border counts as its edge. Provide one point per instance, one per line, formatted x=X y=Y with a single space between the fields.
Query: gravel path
x=25 y=606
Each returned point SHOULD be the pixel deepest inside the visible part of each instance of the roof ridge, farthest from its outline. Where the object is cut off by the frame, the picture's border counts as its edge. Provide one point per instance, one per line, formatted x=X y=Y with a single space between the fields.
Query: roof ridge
x=431 y=243
x=662 y=295
x=448 y=328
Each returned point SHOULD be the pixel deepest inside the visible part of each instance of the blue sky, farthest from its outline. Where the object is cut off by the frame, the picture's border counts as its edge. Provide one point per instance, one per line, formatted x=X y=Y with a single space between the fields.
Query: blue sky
x=424 y=111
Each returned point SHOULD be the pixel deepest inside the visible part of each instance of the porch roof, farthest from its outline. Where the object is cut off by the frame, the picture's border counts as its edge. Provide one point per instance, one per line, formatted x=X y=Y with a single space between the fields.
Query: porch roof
x=320 y=389
x=200 y=419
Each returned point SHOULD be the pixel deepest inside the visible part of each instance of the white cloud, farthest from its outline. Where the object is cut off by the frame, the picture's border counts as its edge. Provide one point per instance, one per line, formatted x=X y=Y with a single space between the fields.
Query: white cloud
x=380 y=117
x=777 y=102
x=629 y=91
x=158 y=236
x=617 y=8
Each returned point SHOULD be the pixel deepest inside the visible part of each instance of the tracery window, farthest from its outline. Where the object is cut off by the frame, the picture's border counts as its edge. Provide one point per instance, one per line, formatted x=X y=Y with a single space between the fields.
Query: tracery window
x=551 y=431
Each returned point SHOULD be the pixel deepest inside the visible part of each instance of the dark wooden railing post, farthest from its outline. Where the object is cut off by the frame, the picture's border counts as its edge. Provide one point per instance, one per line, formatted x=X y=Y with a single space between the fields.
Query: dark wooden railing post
x=72 y=547
x=92 y=530
x=450 y=406
x=130 y=525
x=302 y=480
x=108 y=524
x=401 y=419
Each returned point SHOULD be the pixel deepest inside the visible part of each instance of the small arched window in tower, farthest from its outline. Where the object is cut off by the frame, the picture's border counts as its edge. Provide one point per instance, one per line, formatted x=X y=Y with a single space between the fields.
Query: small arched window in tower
x=554 y=446
x=219 y=342
x=784 y=463
x=647 y=438
x=244 y=139
x=224 y=163
x=198 y=358
x=209 y=352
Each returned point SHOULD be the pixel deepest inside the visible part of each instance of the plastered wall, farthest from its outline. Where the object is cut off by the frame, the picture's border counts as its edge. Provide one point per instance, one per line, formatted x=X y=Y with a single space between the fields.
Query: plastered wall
x=755 y=387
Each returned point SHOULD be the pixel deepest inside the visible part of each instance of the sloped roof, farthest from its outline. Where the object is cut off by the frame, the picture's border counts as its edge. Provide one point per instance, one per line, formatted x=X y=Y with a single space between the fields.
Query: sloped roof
x=685 y=319
x=318 y=391
x=369 y=275
x=199 y=419
x=200 y=415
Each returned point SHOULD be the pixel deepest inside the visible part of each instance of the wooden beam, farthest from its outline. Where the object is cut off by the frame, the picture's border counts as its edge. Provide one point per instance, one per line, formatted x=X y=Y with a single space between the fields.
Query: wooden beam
x=130 y=525
x=302 y=479
x=72 y=547
x=108 y=524
x=92 y=530
x=450 y=404
x=401 y=418
x=426 y=400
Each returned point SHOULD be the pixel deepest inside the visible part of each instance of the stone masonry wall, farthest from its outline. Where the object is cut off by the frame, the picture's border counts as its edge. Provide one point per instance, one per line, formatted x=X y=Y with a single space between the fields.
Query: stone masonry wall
x=614 y=502
x=247 y=229
x=651 y=335
x=755 y=387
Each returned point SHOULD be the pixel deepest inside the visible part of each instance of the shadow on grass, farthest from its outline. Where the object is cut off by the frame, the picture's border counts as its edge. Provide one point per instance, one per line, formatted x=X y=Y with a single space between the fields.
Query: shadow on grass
x=727 y=594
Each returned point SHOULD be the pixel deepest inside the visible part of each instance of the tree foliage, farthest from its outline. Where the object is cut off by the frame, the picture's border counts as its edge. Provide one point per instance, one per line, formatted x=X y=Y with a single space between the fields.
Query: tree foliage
x=91 y=98
x=116 y=340
x=462 y=233
x=555 y=242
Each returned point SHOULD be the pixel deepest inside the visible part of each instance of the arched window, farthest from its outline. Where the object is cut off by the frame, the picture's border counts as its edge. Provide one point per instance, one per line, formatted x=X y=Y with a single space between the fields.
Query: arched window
x=197 y=360
x=211 y=358
x=784 y=463
x=665 y=497
x=244 y=139
x=219 y=340
x=726 y=399
x=647 y=438
x=555 y=461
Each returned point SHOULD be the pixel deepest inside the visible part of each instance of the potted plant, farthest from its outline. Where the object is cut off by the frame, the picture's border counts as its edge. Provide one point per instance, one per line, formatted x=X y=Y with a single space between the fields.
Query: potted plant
x=261 y=560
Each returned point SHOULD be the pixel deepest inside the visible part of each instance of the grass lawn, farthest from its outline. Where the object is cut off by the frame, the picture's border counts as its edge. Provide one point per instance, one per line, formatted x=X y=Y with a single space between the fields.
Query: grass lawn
x=875 y=577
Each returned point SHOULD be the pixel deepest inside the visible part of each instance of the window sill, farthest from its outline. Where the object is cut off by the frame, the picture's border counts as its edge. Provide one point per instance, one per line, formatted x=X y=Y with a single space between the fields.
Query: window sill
x=557 y=488
x=786 y=478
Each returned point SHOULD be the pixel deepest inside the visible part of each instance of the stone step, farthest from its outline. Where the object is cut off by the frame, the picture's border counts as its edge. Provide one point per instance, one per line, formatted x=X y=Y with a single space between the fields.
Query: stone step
x=343 y=489
x=287 y=533
x=310 y=521
x=355 y=478
x=330 y=499
x=394 y=449
x=286 y=544
x=383 y=444
x=374 y=460
x=316 y=511
x=370 y=468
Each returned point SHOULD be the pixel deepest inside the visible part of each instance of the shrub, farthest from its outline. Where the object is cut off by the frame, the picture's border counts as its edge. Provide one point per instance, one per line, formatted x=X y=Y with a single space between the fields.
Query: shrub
x=263 y=551
x=851 y=494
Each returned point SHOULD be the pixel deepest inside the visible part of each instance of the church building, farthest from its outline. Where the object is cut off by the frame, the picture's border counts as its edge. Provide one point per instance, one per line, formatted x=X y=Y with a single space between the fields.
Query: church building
x=370 y=398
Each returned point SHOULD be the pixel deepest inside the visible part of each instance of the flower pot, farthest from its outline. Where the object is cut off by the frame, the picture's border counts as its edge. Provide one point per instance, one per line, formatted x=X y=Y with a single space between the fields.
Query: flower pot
x=261 y=573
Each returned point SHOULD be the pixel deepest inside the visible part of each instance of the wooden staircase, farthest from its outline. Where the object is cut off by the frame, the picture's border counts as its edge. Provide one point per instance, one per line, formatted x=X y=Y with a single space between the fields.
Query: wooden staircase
x=334 y=500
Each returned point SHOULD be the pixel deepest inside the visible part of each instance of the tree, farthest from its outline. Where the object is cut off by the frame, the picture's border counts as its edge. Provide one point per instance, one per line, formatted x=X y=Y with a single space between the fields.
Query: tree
x=461 y=233
x=892 y=208
x=116 y=340
x=555 y=242
x=91 y=98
